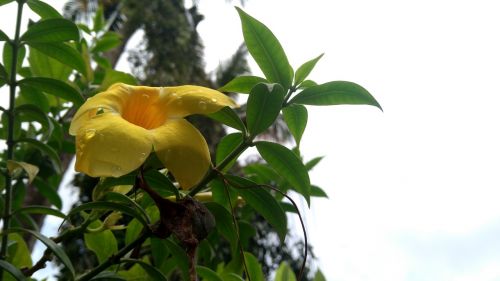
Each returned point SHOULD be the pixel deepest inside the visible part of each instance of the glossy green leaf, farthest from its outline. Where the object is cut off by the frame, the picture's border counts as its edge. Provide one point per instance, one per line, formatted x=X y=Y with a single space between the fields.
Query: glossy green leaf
x=284 y=273
x=46 y=149
x=334 y=93
x=254 y=267
x=30 y=112
x=295 y=116
x=3 y=74
x=104 y=205
x=313 y=162
x=3 y=36
x=31 y=170
x=317 y=191
x=12 y=270
x=44 y=10
x=307 y=84
x=242 y=84
x=121 y=198
x=224 y=224
x=286 y=164
x=207 y=274
x=304 y=70
x=219 y=194
x=48 y=192
x=56 y=249
x=102 y=243
x=54 y=87
x=18 y=253
x=7 y=57
x=63 y=53
x=44 y=210
x=262 y=173
x=263 y=202
x=51 y=30
x=228 y=117
x=30 y=95
x=266 y=50
x=113 y=76
x=226 y=145
x=152 y=271
x=263 y=107
x=107 y=42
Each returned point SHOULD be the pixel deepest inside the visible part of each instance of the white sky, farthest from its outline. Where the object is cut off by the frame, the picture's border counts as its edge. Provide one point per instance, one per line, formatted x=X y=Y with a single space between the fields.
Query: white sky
x=414 y=190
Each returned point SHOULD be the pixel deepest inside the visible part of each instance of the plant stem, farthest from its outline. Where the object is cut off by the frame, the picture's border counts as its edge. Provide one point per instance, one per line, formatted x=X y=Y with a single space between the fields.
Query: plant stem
x=246 y=143
x=116 y=257
x=10 y=133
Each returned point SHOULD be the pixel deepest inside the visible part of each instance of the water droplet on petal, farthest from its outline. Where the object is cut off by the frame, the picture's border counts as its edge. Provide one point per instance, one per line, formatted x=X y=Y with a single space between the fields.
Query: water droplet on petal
x=143 y=155
x=202 y=105
x=89 y=134
x=213 y=100
x=174 y=95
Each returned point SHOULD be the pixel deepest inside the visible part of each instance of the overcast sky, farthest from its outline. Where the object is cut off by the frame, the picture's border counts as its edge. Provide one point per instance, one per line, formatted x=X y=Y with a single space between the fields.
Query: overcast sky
x=414 y=190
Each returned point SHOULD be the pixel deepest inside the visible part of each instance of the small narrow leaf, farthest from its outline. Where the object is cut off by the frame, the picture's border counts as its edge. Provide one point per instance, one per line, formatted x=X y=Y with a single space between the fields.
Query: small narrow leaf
x=121 y=198
x=30 y=112
x=334 y=93
x=51 y=30
x=228 y=117
x=295 y=116
x=266 y=50
x=304 y=70
x=287 y=164
x=31 y=170
x=48 y=192
x=307 y=84
x=44 y=10
x=47 y=150
x=319 y=276
x=12 y=270
x=102 y=205
x=207 y=274
x=316 y=191
x=284 y=273
x=107 y=42
x=263 y=107
x=63 y=53
x=227 y=144
x=242 y=84
x=313 y=162
x=56 y=249
x=263 y=202
x=254 y=267
x=3 y=36
x=40 y=210
x=54 y=87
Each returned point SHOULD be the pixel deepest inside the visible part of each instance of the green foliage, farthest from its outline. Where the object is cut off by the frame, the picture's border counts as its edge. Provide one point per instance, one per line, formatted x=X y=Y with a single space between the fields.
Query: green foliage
x=263 y=107
x=51 y=30
x=295 y=116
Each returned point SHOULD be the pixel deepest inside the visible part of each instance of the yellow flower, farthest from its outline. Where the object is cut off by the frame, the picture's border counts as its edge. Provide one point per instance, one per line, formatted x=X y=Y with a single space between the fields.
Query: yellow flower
x=116 y=130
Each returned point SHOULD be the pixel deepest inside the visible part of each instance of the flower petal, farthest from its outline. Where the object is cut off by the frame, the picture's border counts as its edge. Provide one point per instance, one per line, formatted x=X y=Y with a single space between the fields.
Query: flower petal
x=186 y=100
x=109 y=146
x=112 y=100
x=183 y=151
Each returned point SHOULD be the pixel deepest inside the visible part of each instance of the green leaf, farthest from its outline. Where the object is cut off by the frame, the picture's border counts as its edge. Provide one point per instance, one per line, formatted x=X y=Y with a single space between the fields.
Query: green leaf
x=7 y=57
x=29 y=112
x=266 y=50
x=307 y=84
x=44 y=210
x=286 y=164
x=12 y=270
x=113 y=76
x=56 y=249
x=3 y=73
x=107 y=42
x=44 y=10
x=30 y=95
x=284 y=273
x=108 y=276
x=207 y=274
x=254 y=267
x=304 y=70
x=295 y=116
x=219 y=195
x=231 y=277
x=3 y=36
x=108 y=206
x=179 y=256
x=102 y=243
x=152 y=271
x=224 y=224
x=228 y=117
x=226 y=145
x=335 y=92
x=263 y=202
x=99 y=20
x=31 y=170
x=319 y=276
x=3 y=2
x=316 y=191
x=263 y=107
x=63 y=53
x=47 y=150
x=242 y=84
x=54 y=87
x=121 y=198
x=48 y=192
x=51 y=30
x=313 y=162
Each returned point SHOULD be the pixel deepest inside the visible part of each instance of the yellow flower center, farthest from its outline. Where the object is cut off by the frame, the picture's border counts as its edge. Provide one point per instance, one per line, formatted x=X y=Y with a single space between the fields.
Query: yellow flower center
x=143 y=108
